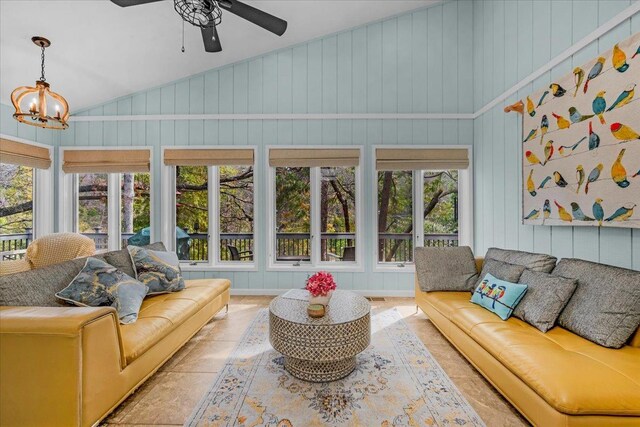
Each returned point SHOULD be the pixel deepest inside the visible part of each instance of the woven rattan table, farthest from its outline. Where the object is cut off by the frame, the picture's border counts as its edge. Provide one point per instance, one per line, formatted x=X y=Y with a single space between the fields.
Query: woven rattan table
x=325 y=349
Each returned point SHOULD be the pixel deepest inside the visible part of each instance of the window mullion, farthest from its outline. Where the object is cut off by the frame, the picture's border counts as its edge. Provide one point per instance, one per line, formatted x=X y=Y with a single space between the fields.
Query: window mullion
x=316 y=238
x=113 y=220
x=213 y=227
x=418 y=208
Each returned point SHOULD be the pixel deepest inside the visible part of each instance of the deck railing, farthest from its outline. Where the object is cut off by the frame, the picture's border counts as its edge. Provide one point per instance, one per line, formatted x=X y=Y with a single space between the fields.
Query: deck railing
x=397 y=247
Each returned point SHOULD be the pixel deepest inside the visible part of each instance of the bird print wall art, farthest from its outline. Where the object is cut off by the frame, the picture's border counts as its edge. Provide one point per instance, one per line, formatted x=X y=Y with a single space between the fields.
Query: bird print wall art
x=581 y=144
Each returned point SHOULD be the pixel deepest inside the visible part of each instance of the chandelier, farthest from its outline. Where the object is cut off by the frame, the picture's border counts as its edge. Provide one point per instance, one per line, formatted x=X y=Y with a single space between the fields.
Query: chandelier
x=33 y=104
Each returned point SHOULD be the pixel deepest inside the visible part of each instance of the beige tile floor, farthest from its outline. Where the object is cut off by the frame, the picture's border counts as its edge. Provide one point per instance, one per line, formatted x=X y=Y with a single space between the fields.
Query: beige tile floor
x=168 y=397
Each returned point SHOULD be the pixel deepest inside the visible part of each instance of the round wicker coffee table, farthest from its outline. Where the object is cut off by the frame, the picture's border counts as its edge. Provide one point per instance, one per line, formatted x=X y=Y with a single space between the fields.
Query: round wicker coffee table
x=325 y=349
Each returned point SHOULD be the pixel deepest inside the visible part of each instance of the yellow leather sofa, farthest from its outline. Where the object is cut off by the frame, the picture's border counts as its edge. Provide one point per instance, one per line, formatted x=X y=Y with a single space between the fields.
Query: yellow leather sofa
x=555 y=378
x=71 y=366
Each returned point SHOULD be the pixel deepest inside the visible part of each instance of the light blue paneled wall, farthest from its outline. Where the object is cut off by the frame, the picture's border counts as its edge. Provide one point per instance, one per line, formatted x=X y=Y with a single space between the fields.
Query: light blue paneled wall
x=10 y=127
x=511 y=40
x=419 y=62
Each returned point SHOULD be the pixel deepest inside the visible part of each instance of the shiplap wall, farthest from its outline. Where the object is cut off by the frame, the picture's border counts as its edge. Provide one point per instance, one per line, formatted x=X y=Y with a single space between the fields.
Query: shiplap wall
x=419 y=62
x=511 y=40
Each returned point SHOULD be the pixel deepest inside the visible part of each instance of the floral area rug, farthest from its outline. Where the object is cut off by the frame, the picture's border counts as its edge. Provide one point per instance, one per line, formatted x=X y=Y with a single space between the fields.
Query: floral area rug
x=397 y=382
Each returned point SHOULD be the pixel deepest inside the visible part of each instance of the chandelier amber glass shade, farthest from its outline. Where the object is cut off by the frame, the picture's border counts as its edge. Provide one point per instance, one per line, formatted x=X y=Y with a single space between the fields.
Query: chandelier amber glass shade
x=39 y=106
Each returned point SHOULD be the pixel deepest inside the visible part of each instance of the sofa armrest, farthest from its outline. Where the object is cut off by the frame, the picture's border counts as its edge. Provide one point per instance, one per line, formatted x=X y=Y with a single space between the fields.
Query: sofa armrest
x=48 y=357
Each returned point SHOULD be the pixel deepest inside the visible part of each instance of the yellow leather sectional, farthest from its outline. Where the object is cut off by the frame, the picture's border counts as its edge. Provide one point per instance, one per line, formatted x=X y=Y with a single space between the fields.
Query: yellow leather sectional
x=555 y=378
x=71 y=366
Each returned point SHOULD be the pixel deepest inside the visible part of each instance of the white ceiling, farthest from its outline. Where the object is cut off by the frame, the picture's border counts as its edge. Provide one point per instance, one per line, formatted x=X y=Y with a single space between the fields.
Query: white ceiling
x=101 y=51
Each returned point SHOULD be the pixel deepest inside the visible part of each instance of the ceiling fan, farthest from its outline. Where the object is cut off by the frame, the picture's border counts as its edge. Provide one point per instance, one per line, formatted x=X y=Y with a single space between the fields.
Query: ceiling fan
x=207 y=15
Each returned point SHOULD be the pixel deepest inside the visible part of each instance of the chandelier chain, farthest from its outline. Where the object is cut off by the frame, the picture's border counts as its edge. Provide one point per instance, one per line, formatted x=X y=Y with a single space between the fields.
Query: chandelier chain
x=42 y=65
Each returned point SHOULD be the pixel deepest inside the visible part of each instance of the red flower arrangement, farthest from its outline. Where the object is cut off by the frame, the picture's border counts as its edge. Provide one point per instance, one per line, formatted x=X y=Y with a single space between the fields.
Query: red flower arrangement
x=320 y=284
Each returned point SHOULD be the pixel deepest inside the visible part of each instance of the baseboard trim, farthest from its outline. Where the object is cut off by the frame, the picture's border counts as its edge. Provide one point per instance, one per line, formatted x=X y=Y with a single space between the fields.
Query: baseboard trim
x=366 y=293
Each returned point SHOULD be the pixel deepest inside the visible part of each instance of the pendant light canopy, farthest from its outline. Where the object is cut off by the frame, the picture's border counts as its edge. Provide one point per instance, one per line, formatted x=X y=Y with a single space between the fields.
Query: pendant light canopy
x=39 y=106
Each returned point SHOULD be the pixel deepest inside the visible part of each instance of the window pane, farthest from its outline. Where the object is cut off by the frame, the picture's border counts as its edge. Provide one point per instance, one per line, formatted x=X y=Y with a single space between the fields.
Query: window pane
x=293 y=205
x=135 y=205
x=395 y=216
x=441 y=208
x=93 y=209
x=16 y=203
x=192 y=213
x=338 y=214
x=236 y=213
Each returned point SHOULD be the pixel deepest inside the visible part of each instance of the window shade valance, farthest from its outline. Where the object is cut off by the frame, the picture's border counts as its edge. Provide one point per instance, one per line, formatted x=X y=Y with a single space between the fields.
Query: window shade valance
x=18 y=153
x=106 y=161
x=209 y=157
x=314 y=157
x=390 y=159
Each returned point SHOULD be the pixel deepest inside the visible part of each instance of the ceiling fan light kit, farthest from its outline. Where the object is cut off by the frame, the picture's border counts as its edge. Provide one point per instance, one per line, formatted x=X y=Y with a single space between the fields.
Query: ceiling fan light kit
x=32 y=103
x=207 y=15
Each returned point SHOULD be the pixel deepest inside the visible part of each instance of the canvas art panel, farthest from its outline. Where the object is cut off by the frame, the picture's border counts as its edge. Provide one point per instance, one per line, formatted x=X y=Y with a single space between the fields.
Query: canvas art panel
x=581 y=144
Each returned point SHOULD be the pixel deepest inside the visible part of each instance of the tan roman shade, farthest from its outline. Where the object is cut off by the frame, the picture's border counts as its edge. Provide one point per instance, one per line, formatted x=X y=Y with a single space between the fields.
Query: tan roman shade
x=390 y=159
x=209 y=157
x=106 y=161
x=314 y=157
x=18 y=153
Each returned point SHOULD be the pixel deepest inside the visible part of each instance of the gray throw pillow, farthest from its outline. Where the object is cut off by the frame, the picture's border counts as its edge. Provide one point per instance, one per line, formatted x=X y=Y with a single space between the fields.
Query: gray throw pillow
x=536 y=262
x=445 y=269
x=122 y=260
x=605 y=308
x=100 y=284
x=546 y=296
x=159 y=270
x=499 y=270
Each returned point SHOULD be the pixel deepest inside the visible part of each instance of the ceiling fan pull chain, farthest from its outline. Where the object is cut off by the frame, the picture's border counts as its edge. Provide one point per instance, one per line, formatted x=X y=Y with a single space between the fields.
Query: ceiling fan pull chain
x=183 y=36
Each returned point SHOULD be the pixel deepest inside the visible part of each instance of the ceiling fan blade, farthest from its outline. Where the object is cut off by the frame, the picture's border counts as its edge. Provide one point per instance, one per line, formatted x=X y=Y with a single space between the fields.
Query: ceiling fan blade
x=211 y=39
x=127 y=3
x=263 y=19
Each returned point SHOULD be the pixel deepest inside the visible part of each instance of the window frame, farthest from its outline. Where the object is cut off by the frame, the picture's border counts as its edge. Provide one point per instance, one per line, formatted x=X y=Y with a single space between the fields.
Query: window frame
x=42 y=192
x=315 y=264
x=68 y=196
x=213 y=198
x=465 y=207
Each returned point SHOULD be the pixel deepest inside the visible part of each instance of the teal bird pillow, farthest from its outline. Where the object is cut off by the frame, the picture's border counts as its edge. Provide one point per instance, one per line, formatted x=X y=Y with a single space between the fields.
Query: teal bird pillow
x=100 y=284
x=498 y=296
x=159 y=270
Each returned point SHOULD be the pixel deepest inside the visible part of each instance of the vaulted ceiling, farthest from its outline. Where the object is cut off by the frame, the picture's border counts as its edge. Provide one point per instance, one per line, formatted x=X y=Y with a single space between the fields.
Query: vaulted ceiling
x=101 y=51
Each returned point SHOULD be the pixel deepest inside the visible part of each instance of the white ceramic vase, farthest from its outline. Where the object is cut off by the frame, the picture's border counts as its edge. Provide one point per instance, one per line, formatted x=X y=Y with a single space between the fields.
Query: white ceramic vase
x=321 y=299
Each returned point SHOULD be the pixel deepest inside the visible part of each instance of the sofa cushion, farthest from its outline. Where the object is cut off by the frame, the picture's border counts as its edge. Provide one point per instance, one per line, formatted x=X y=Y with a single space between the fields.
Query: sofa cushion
x=498 y=296
x=546 y=296
x=59 y=247
x=605 y=308
x=159 y=270
x=553 y=363
x=445 y=269
x=532 y=261
x=500 y=270
x=161 y=314
x=102 y=285
x=122 y=260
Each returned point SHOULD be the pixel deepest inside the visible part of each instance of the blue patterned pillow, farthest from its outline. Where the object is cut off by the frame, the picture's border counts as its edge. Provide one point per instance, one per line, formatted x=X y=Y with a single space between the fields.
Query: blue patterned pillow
x=159 y=270
x=100 y=284
x=498 y=296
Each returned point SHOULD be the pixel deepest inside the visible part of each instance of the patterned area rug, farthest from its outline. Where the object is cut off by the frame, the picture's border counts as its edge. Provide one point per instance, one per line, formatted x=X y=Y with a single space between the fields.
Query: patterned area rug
x=397 y=382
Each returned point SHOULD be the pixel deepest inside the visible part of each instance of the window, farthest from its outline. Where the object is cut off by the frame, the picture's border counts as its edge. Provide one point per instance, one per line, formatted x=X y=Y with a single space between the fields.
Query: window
x=214 y=208
x=93 y=208
x=314 y=207
x=16 y=209
x=25 y=195
x=420 y=202
x=106 y=194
